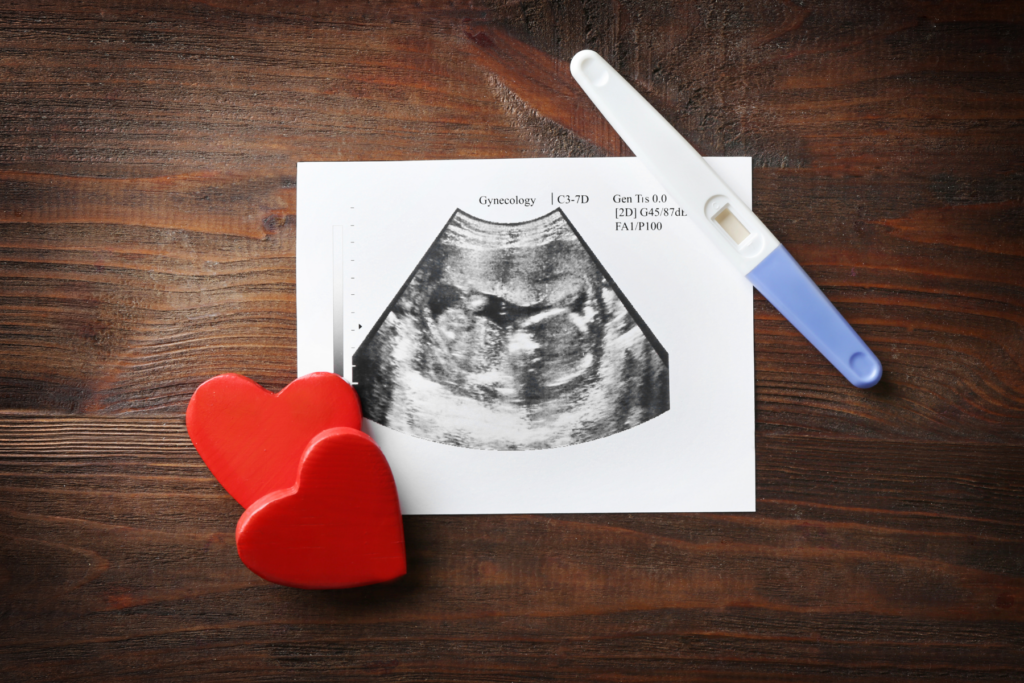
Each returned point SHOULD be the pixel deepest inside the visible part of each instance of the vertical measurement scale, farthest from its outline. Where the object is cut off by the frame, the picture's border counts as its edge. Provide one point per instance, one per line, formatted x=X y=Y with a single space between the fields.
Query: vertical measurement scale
x=338 y=298
x=349 y=271
x=345 y=327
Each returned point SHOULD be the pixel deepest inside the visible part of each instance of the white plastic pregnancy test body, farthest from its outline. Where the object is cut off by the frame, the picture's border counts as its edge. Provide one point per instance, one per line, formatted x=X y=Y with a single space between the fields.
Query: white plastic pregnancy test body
x=725 y=219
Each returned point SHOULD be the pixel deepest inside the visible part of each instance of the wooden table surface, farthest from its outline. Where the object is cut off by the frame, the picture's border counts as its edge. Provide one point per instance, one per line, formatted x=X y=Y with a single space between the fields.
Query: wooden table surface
x=147 y=241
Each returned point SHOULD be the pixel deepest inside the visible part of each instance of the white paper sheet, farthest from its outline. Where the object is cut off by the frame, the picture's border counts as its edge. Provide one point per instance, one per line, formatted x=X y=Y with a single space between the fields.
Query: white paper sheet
x=364 y=229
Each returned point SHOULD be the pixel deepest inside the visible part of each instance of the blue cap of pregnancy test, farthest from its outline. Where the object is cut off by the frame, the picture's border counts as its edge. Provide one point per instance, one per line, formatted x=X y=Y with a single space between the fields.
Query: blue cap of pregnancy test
x=784 y=283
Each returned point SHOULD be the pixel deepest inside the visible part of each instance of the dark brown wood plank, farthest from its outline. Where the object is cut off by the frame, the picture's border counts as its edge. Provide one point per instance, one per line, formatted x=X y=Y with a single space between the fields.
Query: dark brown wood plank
x=147 y=235
x=878 y=257
x=117 y=538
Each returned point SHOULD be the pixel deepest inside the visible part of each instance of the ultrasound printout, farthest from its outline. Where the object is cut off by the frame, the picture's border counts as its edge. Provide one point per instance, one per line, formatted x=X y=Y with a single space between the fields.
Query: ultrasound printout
x=531 y=335
x=510 y=336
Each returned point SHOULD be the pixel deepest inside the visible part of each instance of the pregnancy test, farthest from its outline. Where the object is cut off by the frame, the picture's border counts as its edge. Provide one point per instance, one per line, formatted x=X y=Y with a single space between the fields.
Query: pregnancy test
x=725 y=219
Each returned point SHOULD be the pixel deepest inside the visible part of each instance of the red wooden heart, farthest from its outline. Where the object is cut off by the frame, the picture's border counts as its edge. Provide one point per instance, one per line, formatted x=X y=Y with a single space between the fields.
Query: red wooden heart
x=252 y=439
x=339 y=526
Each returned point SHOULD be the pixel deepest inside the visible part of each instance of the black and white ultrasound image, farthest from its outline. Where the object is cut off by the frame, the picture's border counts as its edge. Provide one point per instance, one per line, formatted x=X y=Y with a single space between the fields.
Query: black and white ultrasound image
x=510 y=337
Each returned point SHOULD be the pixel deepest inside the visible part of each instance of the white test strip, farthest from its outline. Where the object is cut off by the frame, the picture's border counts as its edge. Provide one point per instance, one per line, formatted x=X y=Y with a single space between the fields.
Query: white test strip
x=724 y=219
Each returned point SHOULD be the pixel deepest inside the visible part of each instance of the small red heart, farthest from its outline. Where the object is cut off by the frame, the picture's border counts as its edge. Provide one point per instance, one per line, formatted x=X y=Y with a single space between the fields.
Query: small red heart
x=339 y=526
x=252 y=439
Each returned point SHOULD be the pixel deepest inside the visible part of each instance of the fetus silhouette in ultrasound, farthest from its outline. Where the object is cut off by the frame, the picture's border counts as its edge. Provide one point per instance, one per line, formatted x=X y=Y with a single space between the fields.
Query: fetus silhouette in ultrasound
x=510 y=337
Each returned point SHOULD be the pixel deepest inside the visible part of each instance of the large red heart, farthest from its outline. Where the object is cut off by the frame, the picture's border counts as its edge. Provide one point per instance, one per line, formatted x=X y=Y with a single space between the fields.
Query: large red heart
x=339 y=526
x=252 y=439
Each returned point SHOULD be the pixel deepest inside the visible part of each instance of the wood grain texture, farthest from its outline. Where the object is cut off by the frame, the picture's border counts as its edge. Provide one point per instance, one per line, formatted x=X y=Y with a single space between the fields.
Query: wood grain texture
x=147 y=232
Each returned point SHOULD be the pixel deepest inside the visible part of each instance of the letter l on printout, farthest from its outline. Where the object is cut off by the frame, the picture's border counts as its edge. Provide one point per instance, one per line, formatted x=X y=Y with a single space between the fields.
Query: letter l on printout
x=725 y=219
